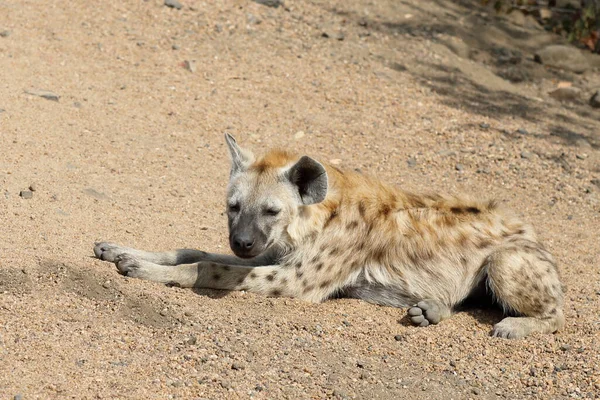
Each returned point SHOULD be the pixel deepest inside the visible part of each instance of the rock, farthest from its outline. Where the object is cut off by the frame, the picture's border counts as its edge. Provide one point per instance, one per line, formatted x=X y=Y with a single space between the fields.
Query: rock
x=26 y=194
x=339 y=35
x=253 y=19
x=398 y=338
x=595 y=99
x=173 y=4
x=164 y=312
x=411 y=162
x=565 y=347
x=269 y=3
x=459 y=167
x=43 y=94
x=106 y=284
x=237 y=366
x=175 y=47
x=568 y=58
x=33 y=187
x=299 y=135
x=95 y=194
x=18 y=397
x=190 y=65
x=5 y=34
x=527 y=155
x=522 y=131
x=484 y=125
x=2 y=110
x=570 y=93
x=192 y=340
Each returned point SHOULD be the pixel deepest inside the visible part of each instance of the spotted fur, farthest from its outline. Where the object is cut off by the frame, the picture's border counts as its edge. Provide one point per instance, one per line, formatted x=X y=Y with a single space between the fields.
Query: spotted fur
x=311 y=231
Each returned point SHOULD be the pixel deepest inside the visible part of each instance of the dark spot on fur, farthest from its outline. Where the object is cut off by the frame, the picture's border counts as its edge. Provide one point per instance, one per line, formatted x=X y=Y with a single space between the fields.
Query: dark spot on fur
x=324 y=284
x=240 y=281
x=332 y=217
x=456 y=210
x=553 y=311
x=384 y=210
x=473 y=210
x=334 y=251
x=172 y=284
x=298 y=264
x=252 y=275
x=284 y=281
x=319 y=266
x=275 y=292
x=323 y=247
x=352 y=225
x=483 y=243
x=304 y=283
x=308 y=288
x=315 y=259
x=362 y=209
x=226 y=268
x=535 y=286
x=379 y=255
x=521 y=231
x=216 y=277
x=463 y=260
x=271 y=277
x=299 y=274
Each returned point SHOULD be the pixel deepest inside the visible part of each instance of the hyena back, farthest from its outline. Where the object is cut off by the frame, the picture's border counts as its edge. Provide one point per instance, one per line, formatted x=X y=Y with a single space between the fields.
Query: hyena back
x=311 y=231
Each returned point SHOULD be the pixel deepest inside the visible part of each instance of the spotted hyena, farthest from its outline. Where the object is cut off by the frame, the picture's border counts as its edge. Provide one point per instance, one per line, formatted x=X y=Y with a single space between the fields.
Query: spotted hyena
x=304 y=229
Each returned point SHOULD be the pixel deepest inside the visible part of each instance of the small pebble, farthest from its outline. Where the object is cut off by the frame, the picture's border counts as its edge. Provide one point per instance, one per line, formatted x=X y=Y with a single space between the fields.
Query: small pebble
x=26 y=194
x=269 y=3
x=45 y=94
x=237 y=366
x=33 y=187
x=173 y=4
x=595 y=100
x=106 y=284
x=565 y=347
x=164 y=312
x=5 y=34
x=189 y=65
x=192 y=340
x=411 y=162
x=398 y=338
x=484 y=125
x=526 y=154
x=346 y=323
x=522 y=131
x=459 y=167
x=175 y=47
x=299 y=135
x=18 y=397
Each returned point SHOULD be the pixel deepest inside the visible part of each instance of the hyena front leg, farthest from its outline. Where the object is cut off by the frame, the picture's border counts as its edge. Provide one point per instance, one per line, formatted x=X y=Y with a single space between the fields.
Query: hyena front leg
x=268 y=280
x=312 y=283
x=107 y=251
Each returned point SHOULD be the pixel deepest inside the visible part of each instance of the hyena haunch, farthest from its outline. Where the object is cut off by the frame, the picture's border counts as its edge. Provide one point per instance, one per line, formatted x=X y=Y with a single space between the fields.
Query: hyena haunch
x=308 y=230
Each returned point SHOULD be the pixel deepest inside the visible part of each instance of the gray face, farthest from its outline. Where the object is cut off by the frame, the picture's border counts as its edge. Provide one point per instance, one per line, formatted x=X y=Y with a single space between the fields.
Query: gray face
x=258 y=213
x=261 y=205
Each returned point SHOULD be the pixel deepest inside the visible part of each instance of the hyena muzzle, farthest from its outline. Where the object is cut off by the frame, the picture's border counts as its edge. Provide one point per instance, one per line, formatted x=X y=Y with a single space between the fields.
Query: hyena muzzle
x=304 y=229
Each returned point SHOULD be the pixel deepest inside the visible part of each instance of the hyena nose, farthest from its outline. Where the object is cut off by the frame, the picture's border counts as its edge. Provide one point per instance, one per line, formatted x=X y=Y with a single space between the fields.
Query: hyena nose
x=243 y=242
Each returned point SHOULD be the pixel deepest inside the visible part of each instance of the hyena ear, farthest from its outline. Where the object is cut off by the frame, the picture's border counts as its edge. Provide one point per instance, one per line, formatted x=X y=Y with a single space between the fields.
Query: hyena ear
x=240 y=158
x=310 y=177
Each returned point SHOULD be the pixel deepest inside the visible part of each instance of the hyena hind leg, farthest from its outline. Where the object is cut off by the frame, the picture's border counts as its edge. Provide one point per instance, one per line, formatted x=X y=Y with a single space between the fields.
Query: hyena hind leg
x=523 y=278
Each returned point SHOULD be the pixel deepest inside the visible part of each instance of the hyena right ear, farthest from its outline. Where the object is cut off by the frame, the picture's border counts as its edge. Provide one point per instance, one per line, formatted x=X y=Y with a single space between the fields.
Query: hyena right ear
x=240 y=158
x=310 y=177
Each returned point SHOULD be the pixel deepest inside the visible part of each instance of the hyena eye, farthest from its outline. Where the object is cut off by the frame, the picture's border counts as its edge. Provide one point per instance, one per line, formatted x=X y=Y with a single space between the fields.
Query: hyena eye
x=235 y=207
x=272 y=212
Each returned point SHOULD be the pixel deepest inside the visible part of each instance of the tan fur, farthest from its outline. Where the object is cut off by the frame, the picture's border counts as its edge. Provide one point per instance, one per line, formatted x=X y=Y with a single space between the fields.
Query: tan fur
x=369 y=240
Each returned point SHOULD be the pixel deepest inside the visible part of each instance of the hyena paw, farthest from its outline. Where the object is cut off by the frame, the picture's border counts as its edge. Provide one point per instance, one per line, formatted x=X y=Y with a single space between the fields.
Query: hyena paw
x=129 y=266
x=108 y=251
x=426 y=312
x=511 y=328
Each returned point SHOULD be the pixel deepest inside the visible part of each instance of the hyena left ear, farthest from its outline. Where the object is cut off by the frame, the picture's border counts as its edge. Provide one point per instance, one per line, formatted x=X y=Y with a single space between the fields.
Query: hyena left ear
x=310 y=177
x=240 y=158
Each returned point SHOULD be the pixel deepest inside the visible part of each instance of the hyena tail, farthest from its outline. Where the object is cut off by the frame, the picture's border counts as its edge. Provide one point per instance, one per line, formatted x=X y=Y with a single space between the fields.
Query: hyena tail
x=523 y=278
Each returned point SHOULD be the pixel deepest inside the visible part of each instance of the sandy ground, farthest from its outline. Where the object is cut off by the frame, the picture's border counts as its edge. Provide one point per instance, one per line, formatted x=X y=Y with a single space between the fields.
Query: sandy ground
x=132 y=152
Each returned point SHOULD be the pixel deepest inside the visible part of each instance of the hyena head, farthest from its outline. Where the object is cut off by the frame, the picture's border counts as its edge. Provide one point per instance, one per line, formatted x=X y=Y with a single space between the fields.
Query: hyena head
x=265 y=195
